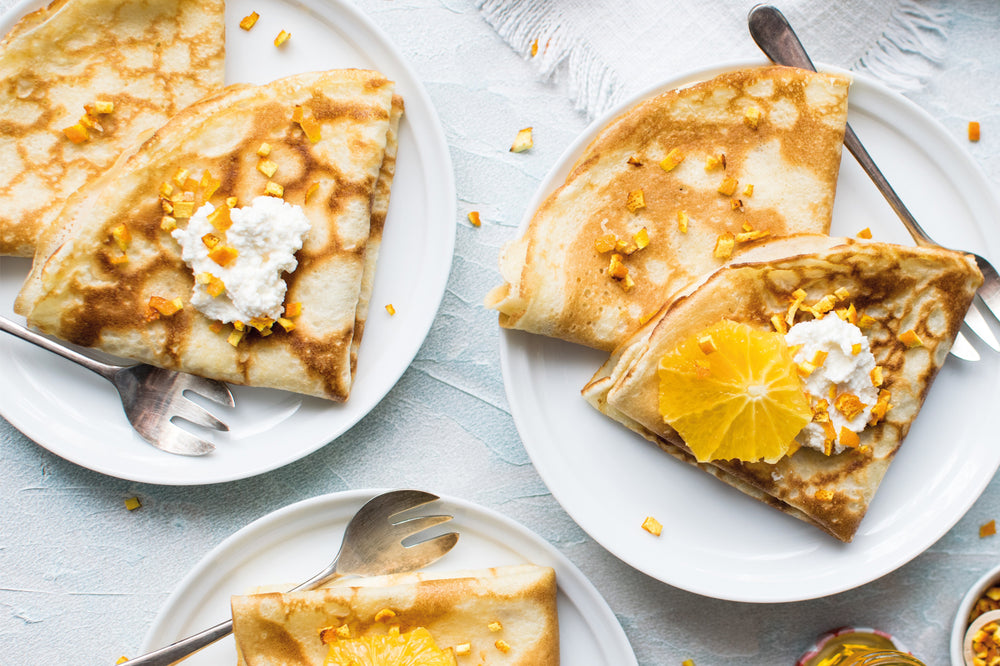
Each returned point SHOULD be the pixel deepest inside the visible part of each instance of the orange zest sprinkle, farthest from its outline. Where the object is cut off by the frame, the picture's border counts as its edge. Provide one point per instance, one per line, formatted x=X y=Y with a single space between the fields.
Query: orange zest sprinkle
x=474 y=218
x=724 y=246
x=988 y=528
x=223 y=255
x=165 y=307
x=249 y=20
x=849 y=438
x=76 y=133
x=635 y=200
x=728 y=186
x=281 y=38
x=973 y=130
x=865 y=233
x=910 y=339
x=673 y=158
x=390 y=309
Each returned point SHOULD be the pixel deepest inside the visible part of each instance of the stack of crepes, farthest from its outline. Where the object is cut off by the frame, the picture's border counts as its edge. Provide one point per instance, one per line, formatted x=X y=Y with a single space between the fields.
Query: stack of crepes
x=504 y=615
x=708 y=207
x=102 y=214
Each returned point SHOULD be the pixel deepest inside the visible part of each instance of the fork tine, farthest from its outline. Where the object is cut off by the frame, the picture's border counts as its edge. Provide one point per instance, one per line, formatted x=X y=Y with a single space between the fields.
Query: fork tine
x=963 y=349
x=424 y=552
x=974 y=318
x=209 y=389
x=196 y=414
x=414 y=525
x=174 y=439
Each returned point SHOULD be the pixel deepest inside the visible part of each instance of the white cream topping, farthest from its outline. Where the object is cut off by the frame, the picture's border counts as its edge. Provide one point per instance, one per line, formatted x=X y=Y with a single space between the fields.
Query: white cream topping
x=843 y=369
x=266 y=235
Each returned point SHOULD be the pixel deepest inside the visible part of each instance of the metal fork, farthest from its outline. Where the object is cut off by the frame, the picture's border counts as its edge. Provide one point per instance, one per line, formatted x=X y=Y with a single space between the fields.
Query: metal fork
x=775 y=37
x=374 y=544
x=152 y=397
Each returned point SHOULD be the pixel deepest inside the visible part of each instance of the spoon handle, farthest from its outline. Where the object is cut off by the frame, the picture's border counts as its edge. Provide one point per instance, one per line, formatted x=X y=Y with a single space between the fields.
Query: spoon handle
x=776 y=38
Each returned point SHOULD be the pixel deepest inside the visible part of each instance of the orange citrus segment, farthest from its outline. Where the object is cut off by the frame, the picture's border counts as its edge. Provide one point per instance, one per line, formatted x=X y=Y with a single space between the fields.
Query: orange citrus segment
x=737 y=397
x=412 y=648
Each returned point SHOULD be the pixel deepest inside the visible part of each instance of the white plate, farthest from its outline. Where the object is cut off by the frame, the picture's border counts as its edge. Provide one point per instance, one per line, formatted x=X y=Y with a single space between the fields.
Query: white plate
x=716 y=541
x=78 y=416
x=294 y=543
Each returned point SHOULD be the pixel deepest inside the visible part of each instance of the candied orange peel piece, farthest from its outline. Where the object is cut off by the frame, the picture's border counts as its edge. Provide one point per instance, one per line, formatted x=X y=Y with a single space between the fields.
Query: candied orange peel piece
x=635 y=200
x=652 y=525
x=973 y=130
x=673 y=158
x=249 y=20
x=523 y=141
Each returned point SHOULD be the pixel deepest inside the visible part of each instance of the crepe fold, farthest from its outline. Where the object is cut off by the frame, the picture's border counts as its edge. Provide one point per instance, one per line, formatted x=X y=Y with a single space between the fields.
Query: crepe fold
x=149 y=58
x=927 y=290
x=776 y=129
x=79 y=292
x=278 y=629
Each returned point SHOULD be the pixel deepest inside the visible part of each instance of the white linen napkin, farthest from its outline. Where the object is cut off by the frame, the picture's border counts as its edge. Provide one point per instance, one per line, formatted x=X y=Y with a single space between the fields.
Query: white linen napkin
x=609 y=50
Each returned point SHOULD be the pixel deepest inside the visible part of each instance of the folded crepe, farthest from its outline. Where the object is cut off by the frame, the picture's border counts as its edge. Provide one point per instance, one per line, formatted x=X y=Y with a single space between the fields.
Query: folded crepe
x=331 y=141
x=457 y=608
x=901 y=288
x=775 y=132
x=149 y=59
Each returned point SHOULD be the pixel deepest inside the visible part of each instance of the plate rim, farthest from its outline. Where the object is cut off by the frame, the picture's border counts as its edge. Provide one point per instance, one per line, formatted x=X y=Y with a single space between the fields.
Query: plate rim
x=441 y=207
x=554 y=178
x=580 y=587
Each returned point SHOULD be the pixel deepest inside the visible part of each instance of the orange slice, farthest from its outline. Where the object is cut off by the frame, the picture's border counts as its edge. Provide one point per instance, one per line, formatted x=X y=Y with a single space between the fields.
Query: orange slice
x=732 y=392
x=411 y=648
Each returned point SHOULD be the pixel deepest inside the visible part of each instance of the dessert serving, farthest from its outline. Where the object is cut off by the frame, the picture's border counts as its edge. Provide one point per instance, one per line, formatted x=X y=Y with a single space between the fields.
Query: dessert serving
x=794 y=372
x=666 y=192
x=83 y=81
x=238 y=242
x=504 y=615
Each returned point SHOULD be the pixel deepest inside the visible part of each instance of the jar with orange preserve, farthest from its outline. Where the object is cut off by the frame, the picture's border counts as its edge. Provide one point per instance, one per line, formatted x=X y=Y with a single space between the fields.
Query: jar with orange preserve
x=857 y=646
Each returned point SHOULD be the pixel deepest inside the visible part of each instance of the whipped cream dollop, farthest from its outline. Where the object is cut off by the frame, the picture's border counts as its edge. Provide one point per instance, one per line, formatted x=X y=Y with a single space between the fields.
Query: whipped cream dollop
x=266 y=235
x=846 y=369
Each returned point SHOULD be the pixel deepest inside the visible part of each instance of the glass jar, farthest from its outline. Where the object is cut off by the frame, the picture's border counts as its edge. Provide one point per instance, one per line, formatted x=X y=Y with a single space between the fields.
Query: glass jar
x=857 y=646
x=865 y=657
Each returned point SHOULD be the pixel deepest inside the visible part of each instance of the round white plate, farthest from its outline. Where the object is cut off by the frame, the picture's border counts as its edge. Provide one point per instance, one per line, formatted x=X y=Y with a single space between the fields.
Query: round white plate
x=78 y=416
x=292 y=544
x=717 y=541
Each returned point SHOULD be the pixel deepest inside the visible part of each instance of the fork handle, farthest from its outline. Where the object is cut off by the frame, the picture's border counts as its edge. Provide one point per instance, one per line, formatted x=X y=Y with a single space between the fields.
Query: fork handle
x=103 y=369
x=778 y=41
x=185 y=647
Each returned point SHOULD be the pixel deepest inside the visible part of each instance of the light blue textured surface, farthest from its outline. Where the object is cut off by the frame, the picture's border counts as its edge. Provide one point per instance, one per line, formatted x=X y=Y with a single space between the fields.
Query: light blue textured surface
x=81 y=578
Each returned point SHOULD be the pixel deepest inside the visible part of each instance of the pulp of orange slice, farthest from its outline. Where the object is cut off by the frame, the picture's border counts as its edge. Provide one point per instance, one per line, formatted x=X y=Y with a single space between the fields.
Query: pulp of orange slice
x=411 y=648
x=732 y=392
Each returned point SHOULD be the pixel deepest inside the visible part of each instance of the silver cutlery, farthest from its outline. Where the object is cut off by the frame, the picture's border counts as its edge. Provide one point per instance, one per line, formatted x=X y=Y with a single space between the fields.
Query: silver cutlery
x=373 y=544
x=776 y=38
x=152 y=397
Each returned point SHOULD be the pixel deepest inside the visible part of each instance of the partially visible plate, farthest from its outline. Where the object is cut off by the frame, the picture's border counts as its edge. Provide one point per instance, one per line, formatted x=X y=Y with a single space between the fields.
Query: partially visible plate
x=77 y=415
x=292 y=544
x=716 y=541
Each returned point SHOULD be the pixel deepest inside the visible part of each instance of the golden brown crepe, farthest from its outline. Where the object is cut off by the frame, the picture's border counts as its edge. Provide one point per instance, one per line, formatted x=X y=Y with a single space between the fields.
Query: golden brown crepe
x=928 y=290
x=278 y=629
x=150 y=58
x=79 y=292
x=556 y=282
